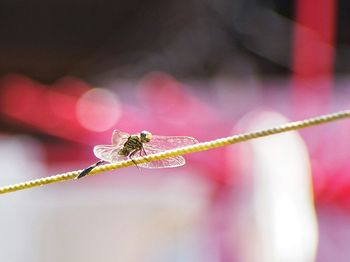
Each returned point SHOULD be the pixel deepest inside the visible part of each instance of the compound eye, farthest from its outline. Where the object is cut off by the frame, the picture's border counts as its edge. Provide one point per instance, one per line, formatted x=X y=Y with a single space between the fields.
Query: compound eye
x=145 y=136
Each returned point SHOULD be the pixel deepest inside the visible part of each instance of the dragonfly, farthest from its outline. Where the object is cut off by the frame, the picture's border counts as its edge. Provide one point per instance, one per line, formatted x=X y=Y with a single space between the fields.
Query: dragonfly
x=125 y=146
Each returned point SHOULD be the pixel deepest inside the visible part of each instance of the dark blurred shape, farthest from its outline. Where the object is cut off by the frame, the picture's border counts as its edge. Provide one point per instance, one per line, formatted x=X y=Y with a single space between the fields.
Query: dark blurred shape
x=102 y=39
x=98 y=40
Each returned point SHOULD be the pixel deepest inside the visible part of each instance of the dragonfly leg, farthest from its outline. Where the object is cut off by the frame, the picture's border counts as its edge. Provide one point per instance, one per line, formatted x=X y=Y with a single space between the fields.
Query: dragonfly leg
x=131 y=155
x=144 y=151
x=88 y=169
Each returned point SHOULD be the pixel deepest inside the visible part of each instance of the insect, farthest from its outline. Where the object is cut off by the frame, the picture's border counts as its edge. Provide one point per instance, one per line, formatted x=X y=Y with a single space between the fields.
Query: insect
x=125 y=146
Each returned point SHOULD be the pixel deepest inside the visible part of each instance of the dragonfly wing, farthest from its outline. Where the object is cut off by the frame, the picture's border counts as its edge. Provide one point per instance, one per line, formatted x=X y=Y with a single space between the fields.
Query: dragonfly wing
x=164 y=163
x=170 y=142
x=119 y=138
x=108 y=153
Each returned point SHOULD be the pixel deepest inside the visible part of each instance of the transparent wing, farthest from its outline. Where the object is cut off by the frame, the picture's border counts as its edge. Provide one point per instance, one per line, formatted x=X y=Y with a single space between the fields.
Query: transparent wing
x=164 y=163
x=162 y=143
x=170 y=142
x=119 y=138
x=108 y=153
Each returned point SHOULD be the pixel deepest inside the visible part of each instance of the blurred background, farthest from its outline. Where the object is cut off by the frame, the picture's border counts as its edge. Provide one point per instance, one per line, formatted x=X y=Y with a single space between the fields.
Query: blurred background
x=73 y=71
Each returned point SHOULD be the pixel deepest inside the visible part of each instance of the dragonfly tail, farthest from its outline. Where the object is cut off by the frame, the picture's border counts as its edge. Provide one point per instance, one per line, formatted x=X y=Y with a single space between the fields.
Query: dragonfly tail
x=88 y=170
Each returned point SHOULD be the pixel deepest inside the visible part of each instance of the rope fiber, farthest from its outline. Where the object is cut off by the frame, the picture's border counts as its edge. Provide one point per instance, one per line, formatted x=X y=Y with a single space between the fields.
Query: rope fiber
x=181 y=151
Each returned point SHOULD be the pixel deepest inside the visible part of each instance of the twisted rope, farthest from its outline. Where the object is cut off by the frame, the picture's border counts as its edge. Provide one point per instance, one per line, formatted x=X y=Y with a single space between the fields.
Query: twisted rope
x=182 y=151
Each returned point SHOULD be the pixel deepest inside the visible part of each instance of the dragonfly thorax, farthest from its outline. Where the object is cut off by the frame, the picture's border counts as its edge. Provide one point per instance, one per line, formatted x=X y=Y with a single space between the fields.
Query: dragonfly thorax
x=132 y=145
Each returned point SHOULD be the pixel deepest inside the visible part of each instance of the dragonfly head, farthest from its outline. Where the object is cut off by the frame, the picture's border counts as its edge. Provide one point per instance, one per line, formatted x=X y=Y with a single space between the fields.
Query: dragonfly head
x=145 y=136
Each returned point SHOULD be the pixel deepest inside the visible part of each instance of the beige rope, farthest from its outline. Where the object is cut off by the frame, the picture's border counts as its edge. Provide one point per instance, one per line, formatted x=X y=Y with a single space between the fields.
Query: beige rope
x=182 y=150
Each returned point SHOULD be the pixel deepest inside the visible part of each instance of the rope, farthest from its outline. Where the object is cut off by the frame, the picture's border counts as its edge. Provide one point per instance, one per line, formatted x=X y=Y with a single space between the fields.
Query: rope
x=182 y=150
